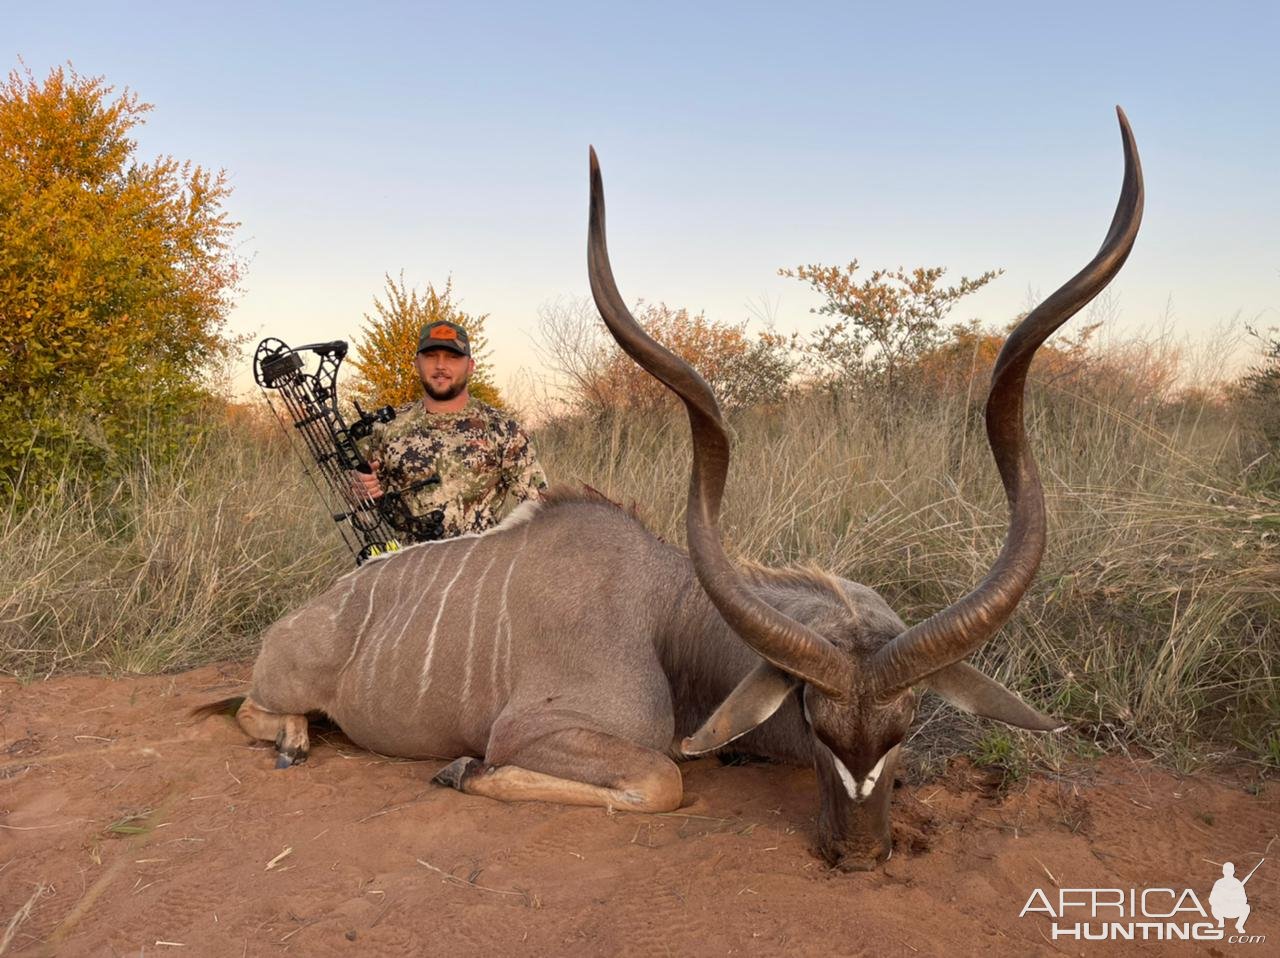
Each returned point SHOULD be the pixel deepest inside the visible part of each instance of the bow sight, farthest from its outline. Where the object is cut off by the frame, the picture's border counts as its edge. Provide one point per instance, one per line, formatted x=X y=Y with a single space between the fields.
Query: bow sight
x=369 y=526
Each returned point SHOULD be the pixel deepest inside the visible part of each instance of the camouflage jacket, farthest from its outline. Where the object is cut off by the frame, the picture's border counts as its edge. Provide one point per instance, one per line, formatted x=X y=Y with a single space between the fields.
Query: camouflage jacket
x=484 y=460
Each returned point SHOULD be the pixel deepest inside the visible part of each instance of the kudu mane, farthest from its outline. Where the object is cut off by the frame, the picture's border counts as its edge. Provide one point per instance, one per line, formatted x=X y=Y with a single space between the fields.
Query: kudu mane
x=802 y=578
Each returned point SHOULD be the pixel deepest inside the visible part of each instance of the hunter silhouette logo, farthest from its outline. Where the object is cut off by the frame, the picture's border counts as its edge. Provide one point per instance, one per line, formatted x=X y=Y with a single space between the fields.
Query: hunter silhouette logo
x=1148 y=914
x=1228 y=899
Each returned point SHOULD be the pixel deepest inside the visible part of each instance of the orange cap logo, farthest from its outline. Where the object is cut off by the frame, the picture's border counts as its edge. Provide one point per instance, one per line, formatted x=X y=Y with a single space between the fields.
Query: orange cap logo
x=444 y=332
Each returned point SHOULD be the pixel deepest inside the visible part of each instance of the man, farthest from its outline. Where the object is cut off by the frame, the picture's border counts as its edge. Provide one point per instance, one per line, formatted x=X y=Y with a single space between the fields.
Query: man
x=483 y=459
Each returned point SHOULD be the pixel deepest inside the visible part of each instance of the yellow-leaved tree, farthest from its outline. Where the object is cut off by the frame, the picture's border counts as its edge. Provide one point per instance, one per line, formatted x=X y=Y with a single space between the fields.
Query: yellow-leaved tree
x=116 y=277
x=383 y=356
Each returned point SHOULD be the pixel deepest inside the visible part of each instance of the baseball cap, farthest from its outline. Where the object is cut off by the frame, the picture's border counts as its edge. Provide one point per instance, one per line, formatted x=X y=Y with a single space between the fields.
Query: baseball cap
x=443 y=334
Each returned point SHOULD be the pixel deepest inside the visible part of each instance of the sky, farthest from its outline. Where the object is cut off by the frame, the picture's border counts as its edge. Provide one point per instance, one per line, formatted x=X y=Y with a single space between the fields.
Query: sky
x=450 y=140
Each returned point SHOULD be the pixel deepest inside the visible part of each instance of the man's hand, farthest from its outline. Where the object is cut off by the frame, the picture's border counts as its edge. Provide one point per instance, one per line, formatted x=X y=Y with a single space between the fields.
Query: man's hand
x=365 y=485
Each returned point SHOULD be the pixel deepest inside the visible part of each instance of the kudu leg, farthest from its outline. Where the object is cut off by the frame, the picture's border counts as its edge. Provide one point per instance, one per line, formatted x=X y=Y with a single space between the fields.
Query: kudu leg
x=289 y=732
x=572 y=766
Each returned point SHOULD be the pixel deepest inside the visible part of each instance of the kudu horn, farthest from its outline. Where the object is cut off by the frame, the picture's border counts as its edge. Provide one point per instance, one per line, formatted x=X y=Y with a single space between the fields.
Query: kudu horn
x=791 y=646
x=959 y=629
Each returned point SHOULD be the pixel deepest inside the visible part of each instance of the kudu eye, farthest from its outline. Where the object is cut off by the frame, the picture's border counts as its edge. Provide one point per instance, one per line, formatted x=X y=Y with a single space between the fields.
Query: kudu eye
x=894 y=698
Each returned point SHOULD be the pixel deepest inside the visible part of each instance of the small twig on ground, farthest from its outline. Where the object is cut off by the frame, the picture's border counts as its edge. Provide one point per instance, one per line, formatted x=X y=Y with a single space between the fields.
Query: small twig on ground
x=19 y=916
x=389 y=810
x=472 y=883
x=1047 y=941
x=1047 y=872
x=309 y=921
x=987 y=821
x=705 y=818
x=279 y=858
x=381 y=913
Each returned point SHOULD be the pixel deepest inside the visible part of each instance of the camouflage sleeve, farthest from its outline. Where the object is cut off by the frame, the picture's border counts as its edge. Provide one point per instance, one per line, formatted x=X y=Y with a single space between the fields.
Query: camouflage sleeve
x=371 y=447
x=522 y=474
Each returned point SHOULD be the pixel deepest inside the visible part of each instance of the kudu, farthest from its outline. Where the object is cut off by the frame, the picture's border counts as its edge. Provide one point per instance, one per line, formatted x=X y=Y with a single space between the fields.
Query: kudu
x=575 y=651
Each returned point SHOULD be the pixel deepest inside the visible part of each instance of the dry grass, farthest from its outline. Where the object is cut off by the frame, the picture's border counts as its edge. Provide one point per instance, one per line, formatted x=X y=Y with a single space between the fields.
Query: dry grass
x=170 y=566
x=1155 y=619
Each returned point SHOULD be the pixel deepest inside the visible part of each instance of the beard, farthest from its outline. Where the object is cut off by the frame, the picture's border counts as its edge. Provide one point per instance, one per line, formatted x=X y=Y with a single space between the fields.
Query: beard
x=452 y=391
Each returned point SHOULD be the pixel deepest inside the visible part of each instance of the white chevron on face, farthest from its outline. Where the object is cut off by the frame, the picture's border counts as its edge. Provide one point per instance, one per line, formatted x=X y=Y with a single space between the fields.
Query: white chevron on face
x=869 y=783
x=858 y=791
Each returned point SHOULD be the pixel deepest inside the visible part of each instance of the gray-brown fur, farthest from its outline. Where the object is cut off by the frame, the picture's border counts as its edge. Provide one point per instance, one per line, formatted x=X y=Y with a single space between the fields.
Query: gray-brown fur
x=603 y=624
x=570 y=624
x=425 y=652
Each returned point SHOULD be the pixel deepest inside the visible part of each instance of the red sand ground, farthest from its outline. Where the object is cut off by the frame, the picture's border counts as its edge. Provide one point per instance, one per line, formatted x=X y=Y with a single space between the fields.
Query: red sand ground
x=126 y=830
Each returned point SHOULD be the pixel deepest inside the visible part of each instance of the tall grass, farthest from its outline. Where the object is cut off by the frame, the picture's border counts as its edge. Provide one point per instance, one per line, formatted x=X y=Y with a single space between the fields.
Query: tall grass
x=179 y=561
x=1155 y=618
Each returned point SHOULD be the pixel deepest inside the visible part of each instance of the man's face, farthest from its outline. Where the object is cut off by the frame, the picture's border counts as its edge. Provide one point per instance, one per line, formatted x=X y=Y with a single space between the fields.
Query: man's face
x=444 y=373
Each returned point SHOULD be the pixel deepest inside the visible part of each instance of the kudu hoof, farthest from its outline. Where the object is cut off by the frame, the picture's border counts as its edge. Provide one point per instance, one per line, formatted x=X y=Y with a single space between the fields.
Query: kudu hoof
x=286 y=756
x=455 y=773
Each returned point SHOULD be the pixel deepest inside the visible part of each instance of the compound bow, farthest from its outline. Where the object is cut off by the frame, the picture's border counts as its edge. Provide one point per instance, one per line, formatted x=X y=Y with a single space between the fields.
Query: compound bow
x=369 y=526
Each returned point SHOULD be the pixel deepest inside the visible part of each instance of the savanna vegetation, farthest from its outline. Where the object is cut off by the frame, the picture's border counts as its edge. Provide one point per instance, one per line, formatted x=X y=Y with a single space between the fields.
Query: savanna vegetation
x=1155 y=620
x=383 y=377
x=116 y=277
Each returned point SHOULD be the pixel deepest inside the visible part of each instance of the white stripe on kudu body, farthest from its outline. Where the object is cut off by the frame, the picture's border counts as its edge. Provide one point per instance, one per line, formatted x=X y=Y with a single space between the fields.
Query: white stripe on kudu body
x=359 y=636
x=372 y=660
x=346 y=600
x=498 y=622
x=425 y=679
x=471 y=632
x=504 y=625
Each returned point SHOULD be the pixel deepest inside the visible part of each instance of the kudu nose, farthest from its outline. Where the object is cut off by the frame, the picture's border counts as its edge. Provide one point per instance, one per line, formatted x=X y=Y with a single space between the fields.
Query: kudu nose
x=845 y=858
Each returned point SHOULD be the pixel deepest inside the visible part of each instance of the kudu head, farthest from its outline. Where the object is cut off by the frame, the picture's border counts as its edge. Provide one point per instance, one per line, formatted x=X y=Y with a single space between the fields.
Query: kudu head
x=858 y=684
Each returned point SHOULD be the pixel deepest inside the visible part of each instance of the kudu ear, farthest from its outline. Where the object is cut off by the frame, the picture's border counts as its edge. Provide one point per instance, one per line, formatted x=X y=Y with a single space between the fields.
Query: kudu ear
x=969 y=690
x=756 y=698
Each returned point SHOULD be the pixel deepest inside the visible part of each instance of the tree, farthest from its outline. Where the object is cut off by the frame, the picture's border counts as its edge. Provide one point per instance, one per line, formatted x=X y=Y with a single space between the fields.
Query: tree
x=116 y=278
x=742 y=371
x=1263 y=380
x=1257 y=396
x=887 y=321
x=384 y=354
x=964 y=360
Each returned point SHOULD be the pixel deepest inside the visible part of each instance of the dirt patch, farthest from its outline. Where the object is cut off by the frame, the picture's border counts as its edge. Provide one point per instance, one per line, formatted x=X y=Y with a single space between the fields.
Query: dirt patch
x=126 y=829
